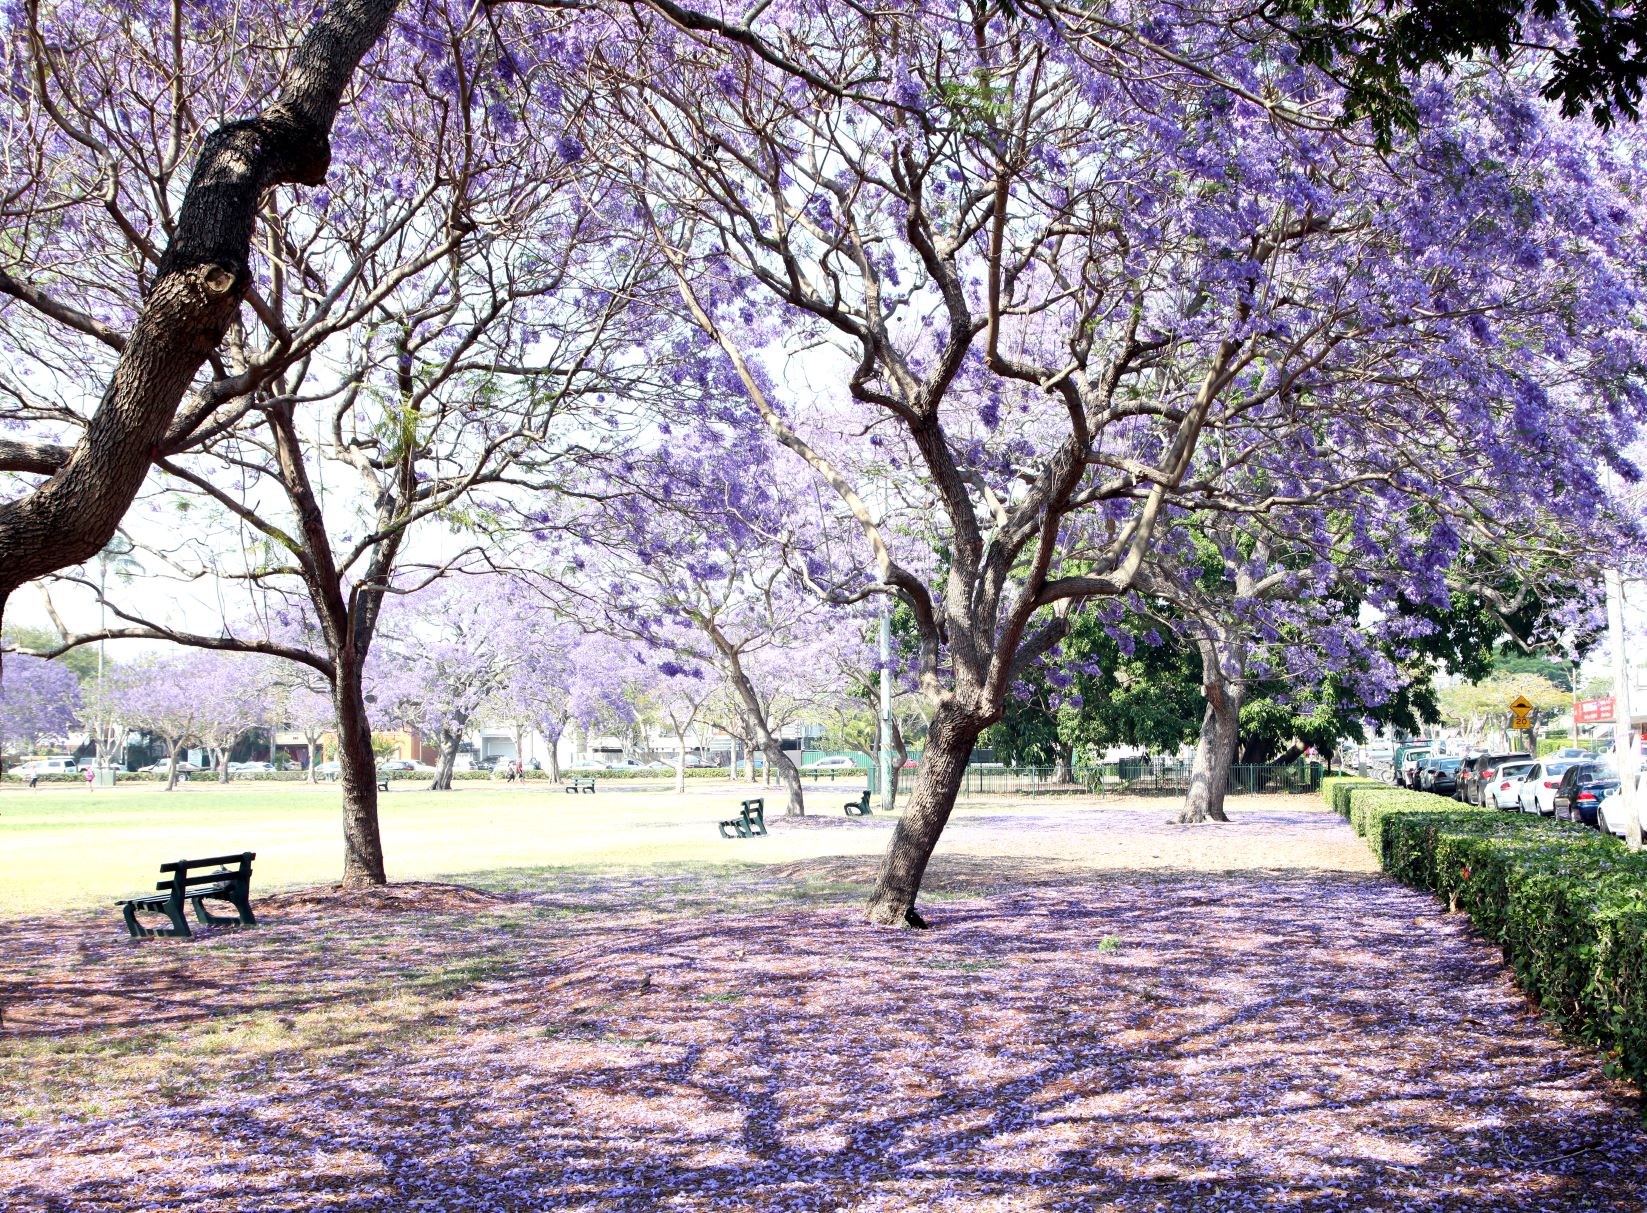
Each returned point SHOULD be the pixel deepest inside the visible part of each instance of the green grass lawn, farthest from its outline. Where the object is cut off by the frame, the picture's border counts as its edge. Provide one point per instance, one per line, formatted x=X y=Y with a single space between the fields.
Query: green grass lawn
x=63 y=847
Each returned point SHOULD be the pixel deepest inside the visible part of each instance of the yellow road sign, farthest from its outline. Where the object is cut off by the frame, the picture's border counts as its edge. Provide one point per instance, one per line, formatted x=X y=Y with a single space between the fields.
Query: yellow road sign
x=1521 y=706
x=1521 y=722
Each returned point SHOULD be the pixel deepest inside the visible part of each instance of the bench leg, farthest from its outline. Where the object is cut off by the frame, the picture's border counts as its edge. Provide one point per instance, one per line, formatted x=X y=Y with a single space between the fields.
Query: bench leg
x=173 y=911
x=180 y=924
x=243 y=916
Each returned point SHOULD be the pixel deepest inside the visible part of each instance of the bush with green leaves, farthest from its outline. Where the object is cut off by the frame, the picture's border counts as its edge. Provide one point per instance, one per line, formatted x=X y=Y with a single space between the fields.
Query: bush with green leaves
x=1567 y=904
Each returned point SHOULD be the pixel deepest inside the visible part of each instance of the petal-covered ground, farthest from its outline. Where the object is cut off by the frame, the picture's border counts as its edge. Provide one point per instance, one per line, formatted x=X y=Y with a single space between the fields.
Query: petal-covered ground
x=1111 y=1013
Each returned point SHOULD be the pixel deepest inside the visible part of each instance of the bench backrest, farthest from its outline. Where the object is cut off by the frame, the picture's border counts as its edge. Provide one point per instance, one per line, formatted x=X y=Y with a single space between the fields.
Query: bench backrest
x=758 y=805
x=181 y=878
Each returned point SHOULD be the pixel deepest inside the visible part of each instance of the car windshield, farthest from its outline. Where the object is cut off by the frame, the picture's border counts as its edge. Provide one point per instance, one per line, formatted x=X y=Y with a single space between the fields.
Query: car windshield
x=1450 y=764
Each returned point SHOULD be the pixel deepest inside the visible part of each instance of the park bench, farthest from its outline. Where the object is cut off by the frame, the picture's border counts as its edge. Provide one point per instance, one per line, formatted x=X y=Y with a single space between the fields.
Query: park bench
x=575 y=784
x=750 y=821
x=859 y=807
x=234 y=887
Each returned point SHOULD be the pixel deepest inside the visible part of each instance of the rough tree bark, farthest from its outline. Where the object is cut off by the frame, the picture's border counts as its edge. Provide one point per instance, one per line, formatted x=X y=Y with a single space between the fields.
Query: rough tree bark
x=449 y=743
x=949 y=745
x=1214 y=752
x=194 y=295
x=900 y=751
x=357 y=772
x=1063 y=770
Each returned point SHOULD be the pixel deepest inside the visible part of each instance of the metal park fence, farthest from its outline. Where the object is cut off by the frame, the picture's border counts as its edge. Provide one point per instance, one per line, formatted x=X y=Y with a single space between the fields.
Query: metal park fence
x=1133 y=776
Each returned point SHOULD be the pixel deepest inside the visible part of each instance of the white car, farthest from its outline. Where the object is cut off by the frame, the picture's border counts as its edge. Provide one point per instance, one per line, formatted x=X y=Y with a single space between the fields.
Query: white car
x=623 y=764
x=250 y=768
x=838 y=763
x=1538 y=786
x=43 y=766
x=184 y=767
x=588 y=764
x=1503 y=790
x=1610 y=817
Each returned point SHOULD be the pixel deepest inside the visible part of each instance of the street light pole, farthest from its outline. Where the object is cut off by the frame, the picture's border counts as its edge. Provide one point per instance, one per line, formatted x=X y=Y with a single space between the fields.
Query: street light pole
x=1626 y=752
x=886 y=707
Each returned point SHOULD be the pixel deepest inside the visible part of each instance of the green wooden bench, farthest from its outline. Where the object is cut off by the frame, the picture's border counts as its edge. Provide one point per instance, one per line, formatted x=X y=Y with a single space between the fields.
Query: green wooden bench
x=234 y=887
x=576 y=784
x=750 y=821
x=859 y=807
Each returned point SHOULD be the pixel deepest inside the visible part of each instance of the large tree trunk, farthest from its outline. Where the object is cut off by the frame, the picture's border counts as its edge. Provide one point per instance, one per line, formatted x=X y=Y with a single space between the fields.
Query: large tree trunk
x=362 y=841
x=680 y=761
x=1063 y=770
x=900 y=755
x=171 y=769
x=449 y=743
x=554 y=755
x=1214 y=752
x=192 y=298
x=943 y=767
x=223 y=765
x=780 y=766
x=314 y=755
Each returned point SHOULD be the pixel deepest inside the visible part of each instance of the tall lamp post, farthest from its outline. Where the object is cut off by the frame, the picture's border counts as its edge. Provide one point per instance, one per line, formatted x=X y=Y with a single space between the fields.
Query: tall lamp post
x=1626 y=751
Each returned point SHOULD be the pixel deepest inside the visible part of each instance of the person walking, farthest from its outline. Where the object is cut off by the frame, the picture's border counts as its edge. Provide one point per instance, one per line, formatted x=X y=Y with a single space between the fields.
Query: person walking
x=89 y=773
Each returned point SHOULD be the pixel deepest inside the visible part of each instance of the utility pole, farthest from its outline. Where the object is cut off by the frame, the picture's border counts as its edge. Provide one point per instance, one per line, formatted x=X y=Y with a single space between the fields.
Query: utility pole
x=1626 y=752
x=886 y=706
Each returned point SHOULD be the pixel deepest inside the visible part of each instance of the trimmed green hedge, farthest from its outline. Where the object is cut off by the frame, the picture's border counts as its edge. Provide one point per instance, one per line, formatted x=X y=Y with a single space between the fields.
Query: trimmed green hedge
x=1335 y=790
x=1567 y=904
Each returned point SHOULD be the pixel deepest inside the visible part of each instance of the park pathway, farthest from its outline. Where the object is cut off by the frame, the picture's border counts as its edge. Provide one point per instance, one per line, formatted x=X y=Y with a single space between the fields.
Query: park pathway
x=1113 y=1013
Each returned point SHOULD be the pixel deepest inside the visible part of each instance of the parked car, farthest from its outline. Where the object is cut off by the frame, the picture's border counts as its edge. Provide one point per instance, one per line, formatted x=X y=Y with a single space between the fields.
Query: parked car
x=838 y=763
x=657 y=764
x=1421 y=770
x=1480 y=769
x=587 y=764
x=1610 y=817
x=1538 y=788
x=184 y=767
x=1406 y=759
x=329 y=770
x=405 y=764
x=624 y=764
x=1443 y=775
x=1503 y=790
x=250 y=768
x=43 y=766
x=1581 y=791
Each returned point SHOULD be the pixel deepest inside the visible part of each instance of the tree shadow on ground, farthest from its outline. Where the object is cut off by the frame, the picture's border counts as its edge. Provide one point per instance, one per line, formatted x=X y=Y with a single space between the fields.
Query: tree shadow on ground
x=708 y=1039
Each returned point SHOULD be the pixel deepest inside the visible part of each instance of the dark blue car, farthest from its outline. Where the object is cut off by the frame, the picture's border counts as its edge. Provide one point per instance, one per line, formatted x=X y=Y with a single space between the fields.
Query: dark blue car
x=1581 y=790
